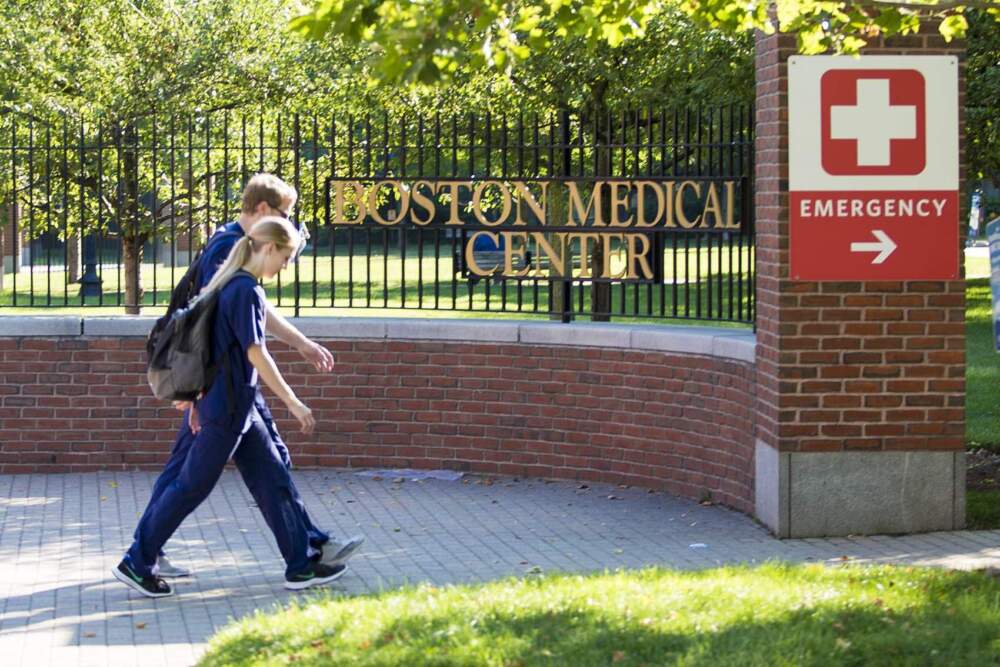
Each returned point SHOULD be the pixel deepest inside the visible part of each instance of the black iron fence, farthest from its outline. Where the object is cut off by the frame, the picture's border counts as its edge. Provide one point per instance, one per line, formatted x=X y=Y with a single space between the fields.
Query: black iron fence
x=646 y=213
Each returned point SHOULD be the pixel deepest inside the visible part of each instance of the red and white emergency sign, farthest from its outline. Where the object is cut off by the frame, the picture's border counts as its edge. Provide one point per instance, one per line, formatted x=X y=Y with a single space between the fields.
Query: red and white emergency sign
x=873 y=167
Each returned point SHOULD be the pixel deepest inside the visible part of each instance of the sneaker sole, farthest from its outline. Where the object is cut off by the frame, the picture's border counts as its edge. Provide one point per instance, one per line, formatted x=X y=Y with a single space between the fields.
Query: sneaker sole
x=342 y=557
x=136 y=587
x=299 y=585
x=174 y=575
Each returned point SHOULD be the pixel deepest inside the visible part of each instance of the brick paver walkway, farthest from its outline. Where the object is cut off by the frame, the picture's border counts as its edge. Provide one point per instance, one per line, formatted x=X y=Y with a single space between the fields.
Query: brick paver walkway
x=60 y=535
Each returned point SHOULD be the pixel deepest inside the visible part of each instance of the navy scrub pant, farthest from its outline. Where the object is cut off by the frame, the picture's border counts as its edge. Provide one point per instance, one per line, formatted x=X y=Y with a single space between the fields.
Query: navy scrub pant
x=175 y=463
x=269 y=481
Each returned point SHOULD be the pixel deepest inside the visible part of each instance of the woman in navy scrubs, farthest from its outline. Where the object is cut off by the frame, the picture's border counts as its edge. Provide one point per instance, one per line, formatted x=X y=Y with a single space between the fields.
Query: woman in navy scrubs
x=239 y=433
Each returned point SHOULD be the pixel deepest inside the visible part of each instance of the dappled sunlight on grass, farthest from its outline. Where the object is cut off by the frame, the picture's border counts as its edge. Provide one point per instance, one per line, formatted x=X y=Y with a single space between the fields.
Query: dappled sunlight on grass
x=771 y=615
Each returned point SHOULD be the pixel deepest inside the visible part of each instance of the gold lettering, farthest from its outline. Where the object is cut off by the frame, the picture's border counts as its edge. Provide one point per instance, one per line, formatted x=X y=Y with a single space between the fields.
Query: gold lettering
x=404 y=202
x=419 y=199
x=669 y=222
x=712 y=206
x=640 y=220
x=585 y=239
x=524 y=194
x=731 y=205
x=577 y=205
x=617 y=201
x=453 y=186
x=477 y=209
x=359 y=201
x=606 y=273
x=470 y=258
x=679 y=204
x=640 y=257
x=556 y=261
x=509 y=251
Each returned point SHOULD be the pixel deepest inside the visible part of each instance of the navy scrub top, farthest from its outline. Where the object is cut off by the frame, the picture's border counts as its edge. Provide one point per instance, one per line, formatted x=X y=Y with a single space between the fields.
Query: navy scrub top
x=240 y=321
x=217 y=250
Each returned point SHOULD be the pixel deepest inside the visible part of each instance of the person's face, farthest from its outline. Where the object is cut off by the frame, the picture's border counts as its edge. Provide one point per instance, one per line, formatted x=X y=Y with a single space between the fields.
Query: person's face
x=275 y=259
x=283 y=211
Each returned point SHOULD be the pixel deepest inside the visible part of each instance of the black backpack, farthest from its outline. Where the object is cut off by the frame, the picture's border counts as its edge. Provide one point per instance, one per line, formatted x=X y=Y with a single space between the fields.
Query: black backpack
x=179 y=347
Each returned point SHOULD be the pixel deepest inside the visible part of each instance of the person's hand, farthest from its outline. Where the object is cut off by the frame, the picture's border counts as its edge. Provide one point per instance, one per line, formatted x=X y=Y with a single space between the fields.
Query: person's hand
x=305 y=416
x=193 y=422
x=320 y=357
x=182 y=405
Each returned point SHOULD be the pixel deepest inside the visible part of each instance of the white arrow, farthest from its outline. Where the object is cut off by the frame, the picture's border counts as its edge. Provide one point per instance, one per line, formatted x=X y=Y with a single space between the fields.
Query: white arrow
x=884 y=247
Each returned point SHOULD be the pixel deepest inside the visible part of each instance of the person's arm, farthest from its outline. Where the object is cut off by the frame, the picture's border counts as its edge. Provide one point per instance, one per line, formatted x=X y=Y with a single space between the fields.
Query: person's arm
x=277 y=326
x=271 y=376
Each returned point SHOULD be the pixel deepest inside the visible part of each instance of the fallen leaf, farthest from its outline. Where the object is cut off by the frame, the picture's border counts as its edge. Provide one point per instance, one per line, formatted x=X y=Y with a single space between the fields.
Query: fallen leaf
x=617 y=656
x=377 y=478
x=113 y=485
x=103 y=498
x=141 y=626
x=89 y=634
x=843 y=644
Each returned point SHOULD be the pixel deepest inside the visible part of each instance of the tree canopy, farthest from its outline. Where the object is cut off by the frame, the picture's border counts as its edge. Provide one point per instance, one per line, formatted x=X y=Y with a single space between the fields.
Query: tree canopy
x=423 y=41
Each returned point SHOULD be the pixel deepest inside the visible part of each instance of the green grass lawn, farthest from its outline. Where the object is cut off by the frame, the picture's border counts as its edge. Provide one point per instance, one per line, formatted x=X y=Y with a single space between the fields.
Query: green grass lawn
x=702 y=284
x=982 y=373
x=776 y=614
x=982 y=510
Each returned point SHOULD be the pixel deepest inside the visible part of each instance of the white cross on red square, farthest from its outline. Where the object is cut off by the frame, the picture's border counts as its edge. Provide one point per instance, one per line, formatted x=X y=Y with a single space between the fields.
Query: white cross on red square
x=873 y=122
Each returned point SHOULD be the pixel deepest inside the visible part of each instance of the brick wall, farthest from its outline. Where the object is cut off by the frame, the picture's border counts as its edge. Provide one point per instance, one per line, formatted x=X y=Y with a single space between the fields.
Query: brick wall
x=851 y=365
x=676 y=422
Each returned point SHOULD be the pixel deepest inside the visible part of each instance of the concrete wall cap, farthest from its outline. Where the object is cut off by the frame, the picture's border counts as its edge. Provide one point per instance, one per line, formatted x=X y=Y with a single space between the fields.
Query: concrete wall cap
x=738 y=344
x=117 y=326
x=493 y=331
x=18 y=326
x=341 y=327
x=582 y=334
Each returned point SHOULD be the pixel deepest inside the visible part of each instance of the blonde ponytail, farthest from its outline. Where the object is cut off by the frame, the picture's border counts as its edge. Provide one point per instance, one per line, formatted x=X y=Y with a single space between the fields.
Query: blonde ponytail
x=238 y=256
x=267 y=230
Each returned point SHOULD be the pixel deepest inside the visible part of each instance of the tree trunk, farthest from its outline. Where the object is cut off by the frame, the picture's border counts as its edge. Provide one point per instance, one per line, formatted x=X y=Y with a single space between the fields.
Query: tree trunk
x=600 y=293
x=73 y=253
x=557 y=204
x=132 y=258
x=132 y=238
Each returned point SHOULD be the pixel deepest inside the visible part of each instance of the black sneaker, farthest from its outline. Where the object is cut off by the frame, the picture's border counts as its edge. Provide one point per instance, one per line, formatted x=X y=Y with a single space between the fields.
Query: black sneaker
x=316 y=575
x=151 y=587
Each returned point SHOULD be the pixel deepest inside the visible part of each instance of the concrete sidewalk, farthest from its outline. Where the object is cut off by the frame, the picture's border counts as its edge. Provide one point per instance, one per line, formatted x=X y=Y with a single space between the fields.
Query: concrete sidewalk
x=60 y=535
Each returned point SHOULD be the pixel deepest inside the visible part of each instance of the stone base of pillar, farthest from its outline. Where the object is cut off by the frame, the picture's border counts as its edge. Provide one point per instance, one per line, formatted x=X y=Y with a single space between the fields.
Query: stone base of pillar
x=827 y=494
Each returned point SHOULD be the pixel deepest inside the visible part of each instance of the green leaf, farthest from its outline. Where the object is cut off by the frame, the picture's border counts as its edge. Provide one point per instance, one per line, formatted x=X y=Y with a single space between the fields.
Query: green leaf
x=953 y=27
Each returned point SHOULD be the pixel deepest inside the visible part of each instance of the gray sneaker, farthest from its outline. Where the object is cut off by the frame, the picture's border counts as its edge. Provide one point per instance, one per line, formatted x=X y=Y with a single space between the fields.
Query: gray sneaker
x=336 y=552
x=167 y=569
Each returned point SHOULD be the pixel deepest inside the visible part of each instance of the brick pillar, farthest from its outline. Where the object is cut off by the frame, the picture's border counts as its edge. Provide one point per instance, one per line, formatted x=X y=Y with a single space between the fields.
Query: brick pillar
x=861 y=385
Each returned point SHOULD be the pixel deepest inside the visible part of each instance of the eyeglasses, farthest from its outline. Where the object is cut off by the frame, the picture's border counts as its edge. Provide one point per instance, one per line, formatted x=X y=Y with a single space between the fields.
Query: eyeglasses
x=303 y=233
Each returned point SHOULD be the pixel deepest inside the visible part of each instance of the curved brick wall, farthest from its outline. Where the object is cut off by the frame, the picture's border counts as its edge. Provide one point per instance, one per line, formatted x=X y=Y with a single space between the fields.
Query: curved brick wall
x=666 y=408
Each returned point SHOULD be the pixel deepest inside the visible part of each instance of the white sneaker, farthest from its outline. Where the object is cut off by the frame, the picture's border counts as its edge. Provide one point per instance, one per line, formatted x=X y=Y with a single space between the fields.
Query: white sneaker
x=336 y=552
x=167 y=569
